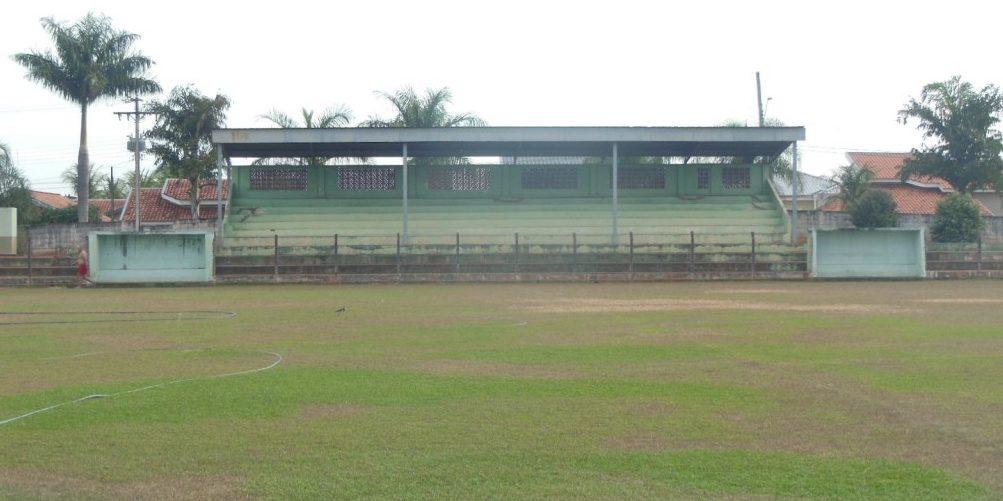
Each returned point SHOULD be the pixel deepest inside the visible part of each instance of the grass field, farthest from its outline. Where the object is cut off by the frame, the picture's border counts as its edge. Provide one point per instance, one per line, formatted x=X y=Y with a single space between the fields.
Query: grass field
x=863 y=390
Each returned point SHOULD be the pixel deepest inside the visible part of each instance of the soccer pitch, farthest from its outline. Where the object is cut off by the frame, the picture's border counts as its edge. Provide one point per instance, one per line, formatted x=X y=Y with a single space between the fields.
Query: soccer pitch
x=734 y=390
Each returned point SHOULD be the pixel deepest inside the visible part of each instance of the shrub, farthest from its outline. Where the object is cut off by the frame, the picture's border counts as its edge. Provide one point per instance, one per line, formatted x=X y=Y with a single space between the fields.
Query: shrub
x=874 y=209
x=64 y=215
x=958 y=219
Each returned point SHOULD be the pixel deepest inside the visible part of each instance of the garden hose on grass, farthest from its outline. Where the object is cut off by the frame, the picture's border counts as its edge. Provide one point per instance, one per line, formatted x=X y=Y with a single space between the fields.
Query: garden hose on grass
x=36 y=317
x=278 y=360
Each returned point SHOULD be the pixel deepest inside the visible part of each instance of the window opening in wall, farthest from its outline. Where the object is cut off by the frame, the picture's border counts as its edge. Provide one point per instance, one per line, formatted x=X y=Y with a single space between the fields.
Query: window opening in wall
x=703 y=178
x=564 y=177
x=459 y=179
x=278 y=179
x=736 y=178
x=367 y=179
x=640 y=178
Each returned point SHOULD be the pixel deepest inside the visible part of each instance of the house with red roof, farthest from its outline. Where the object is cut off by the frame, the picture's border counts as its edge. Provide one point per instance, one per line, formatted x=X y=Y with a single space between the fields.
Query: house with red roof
x=104 y=206
x=173 y=202
x=916 y=195
x=48 y=200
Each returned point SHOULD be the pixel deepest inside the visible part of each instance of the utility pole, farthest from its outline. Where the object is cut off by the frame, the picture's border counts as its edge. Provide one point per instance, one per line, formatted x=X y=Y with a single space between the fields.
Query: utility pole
x=136 y=145
x=111 y=188
x=759 y=101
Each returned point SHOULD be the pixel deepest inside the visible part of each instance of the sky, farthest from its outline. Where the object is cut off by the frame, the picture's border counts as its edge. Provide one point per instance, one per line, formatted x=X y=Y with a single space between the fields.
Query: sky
x=840 y=69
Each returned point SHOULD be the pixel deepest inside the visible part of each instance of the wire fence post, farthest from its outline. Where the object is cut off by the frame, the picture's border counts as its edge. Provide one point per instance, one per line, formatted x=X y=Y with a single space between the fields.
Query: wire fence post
x=978 y=255
x=457 y=254
x=399 y=252
x=336 y=260
x=516 y=252
x=630 y=263
x=574 y=252
x=275 y=257
x=29 y=257
x=753 y=265
x=693 y=246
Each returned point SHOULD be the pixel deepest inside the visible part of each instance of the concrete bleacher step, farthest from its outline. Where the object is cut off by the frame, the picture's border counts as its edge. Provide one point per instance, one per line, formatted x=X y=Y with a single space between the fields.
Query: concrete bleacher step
x=304 y=223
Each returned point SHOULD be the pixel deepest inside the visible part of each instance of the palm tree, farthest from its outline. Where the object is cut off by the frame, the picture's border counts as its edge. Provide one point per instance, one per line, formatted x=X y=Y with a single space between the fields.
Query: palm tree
x=427 y=111
x=182 y=136
x=96 y=181
x=92 y=61
x=424 y=111
x=338 y=116
x=778 y=167
x=853 y=182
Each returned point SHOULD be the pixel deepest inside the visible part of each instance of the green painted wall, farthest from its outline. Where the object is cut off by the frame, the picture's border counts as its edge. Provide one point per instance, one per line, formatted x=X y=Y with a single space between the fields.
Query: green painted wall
x=151 y=257
x=506 y=183
x=881 y=253
x=8 y=231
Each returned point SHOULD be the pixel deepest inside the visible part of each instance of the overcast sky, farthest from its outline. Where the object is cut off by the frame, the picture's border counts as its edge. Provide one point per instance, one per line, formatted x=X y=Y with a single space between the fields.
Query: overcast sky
x=840 y=69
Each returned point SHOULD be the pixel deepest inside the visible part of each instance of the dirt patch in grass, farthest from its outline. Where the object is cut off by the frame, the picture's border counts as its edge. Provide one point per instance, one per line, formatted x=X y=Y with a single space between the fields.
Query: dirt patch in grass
x=332 y=411
x=47 y=485
x=495 y=369
x=653 y=409
x=751 y=291
x=590 y=305
x=824 y=414
x=638 y=441
x=961 y=300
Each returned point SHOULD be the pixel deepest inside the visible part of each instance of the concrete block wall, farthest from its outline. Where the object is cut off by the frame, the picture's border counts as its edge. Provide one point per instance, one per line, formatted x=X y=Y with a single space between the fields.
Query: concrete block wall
x=821 y=220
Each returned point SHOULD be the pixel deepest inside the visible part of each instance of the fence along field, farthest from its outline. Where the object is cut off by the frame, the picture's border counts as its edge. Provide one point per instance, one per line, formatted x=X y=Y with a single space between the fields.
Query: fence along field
x=560 y=391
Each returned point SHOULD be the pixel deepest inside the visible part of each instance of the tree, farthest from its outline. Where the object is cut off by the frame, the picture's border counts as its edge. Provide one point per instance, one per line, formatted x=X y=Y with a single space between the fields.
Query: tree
x=960 y=120
x=147 y=179
x=182 y=136
x=97 y=181
x=958 y=219
x=416 y=111
x=14 y=187
x=853 y=182
x=338 y=116
x=92 y=61
x=780 y=166
x=874 y=209
x=422 y=111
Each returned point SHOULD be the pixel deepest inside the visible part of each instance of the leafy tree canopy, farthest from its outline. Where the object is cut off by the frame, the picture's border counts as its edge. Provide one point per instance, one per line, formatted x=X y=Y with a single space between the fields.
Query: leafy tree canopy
x=958 y=219
x=853 y=182
x=182 y=135
x=874 y=209
x=14 y=186
x=960 y=121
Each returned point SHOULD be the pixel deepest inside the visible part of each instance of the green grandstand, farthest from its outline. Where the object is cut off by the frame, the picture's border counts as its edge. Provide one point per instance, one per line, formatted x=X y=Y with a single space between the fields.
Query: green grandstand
x=454 y=191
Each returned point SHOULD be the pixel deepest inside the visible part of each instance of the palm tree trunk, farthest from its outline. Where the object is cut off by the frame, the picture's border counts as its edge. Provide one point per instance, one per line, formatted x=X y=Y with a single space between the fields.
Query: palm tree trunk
x=83 y=169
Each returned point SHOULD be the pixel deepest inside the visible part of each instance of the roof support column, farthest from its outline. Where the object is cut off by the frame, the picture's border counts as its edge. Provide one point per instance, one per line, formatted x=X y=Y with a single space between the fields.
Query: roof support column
x=616 y=194
x=219 y=195
x=404 y=189
x=795 y=181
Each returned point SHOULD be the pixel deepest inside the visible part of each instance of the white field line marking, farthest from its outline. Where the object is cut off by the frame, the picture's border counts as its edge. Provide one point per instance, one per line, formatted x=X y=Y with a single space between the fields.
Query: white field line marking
x=278 y=360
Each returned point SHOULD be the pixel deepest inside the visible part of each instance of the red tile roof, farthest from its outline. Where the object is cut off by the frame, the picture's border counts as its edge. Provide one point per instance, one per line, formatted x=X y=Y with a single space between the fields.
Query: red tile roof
x=104 y=207
x=52 y=200
x=180 y=189
x=910 y=199
x=887 y=166
x=155 y=209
